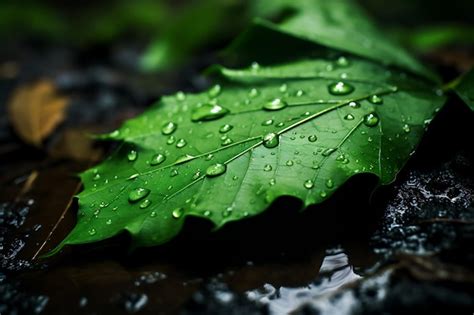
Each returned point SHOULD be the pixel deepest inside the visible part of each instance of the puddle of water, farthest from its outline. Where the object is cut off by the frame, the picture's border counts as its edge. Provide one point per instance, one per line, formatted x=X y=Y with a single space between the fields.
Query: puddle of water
x=335 y=272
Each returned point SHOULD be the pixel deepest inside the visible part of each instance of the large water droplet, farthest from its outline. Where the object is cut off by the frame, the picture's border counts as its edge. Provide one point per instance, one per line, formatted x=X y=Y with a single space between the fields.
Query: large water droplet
x=290 y=163
x=283 y=88
x=312 y=138
x=216 y=170
x=275 y=104
x=267 y=168
x=349 y=117
x=371 y=120
x=340 y=88
x=271 y=140
x=214 y=91
x=208 y=112
x=375 y=99
x=157 y=159
x=225 y=128
x=308 y=184
x=169 y=128
x=177 y=213
x=138 y=194
x=132 y=155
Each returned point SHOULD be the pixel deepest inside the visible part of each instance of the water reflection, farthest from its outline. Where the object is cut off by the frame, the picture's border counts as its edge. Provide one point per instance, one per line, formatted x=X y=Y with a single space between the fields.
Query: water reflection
x=335 y=272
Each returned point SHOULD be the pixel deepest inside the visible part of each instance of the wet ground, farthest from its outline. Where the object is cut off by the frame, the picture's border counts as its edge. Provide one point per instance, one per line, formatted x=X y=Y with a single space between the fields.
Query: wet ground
x=407 y=248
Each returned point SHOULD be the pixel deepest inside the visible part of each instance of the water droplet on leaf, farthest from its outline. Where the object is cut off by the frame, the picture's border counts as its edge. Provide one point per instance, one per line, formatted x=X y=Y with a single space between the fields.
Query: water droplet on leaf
x=181 y=143
x=132 y=155
x=371 y=120
x=342 y=62
x=275 y=104
x=354 y=104
x=349 y=117
x=329 y=183
x=208 y=112
x=171 y=140
x=214 y=91
x=309 y=184
x=138 y=194
x=267 y=122
x=271 y=140
x=328 y=151
x=174 y=172
x=340 y=88
x=180 y=96
x=145 y=203
x=177 y=213
x=169 y=128
x=225 y=128
x=157 y=159
x=216 y=170
x=253 y=93
x=375 y=99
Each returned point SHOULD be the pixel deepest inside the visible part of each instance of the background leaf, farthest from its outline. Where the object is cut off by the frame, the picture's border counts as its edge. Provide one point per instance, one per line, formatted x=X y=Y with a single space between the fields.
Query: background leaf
x=339 y=24
x=465 y=89
x=36 y=110
x=293 y=129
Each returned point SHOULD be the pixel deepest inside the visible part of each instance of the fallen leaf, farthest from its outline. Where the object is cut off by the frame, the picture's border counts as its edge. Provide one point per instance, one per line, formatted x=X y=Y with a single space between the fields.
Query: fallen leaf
x=35 y=110
x=76 y=145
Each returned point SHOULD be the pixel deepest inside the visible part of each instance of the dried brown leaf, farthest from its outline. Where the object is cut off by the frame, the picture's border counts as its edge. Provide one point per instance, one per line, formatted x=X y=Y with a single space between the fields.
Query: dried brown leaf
x=36 y=110
x=76 y=145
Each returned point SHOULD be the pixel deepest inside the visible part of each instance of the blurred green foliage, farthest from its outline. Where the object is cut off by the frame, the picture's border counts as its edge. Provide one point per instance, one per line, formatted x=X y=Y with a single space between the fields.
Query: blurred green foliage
x=177 y=30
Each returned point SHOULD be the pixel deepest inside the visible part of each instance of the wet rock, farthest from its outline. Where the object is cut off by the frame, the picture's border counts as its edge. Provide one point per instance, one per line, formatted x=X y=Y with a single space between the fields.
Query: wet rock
x=133 y=302
x=12 y=218
x=14 y=301
x=430 y=211
x=215 y=298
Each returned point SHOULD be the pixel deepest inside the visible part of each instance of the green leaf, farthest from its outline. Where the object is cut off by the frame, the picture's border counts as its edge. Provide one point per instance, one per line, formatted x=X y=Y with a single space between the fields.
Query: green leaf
x=338 y=24
x=299 y=129
x=465 y=88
